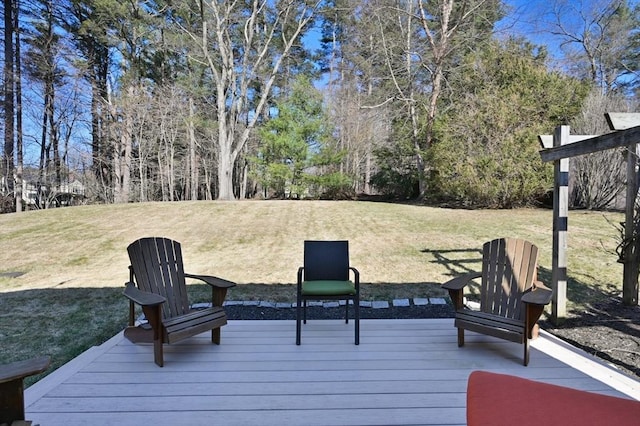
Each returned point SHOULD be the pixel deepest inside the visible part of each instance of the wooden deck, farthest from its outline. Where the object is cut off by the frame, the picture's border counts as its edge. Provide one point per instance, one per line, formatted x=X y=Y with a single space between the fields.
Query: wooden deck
x=404 y=372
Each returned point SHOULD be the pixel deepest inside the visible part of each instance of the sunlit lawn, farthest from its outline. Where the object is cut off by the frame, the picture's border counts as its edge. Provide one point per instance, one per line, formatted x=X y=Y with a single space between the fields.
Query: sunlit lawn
x=73 y=261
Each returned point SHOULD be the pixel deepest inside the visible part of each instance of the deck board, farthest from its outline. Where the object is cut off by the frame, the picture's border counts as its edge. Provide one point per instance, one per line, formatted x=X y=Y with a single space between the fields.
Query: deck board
x=404 y=372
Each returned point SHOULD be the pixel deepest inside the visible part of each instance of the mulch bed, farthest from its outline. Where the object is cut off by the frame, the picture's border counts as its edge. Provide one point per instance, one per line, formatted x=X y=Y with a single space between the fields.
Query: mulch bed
x=610 y=330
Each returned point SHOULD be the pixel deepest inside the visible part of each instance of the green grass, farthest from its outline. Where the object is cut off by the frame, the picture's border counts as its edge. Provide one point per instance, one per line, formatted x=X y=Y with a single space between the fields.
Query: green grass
x=74 y=263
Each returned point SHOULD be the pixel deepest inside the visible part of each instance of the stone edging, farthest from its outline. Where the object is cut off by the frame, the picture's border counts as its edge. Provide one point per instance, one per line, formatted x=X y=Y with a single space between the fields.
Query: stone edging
x=374 y=304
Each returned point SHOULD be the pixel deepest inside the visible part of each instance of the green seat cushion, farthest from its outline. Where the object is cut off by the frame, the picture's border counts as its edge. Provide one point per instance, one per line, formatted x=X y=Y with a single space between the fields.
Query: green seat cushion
x=328 y=288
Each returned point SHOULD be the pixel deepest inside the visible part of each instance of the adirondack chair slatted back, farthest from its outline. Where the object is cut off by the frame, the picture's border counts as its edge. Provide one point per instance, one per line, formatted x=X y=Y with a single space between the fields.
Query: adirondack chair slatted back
x=158 y=268
x=326 y=260
x=508 y=269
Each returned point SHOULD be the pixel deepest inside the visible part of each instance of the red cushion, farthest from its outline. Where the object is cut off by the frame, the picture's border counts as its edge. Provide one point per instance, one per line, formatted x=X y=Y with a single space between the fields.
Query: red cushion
x=498 y=399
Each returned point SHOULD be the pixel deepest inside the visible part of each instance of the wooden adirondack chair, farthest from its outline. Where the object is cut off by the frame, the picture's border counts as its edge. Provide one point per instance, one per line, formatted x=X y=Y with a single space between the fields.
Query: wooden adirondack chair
x=511 y=298
x=12 y=388
x=157 y=270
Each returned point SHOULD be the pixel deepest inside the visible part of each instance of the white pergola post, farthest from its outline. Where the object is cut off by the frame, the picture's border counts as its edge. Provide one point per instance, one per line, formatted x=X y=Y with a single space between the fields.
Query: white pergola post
x=561 y=136
x=560 y=228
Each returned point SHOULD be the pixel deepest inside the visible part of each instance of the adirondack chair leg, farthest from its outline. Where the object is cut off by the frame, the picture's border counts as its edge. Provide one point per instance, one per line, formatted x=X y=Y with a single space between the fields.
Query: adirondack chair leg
x=215 y=336
x=12 y=401
x=157 y=353
x=217 y=296
x=153 y=316
x=460 y=336
x=533 y=315
x=132 y=313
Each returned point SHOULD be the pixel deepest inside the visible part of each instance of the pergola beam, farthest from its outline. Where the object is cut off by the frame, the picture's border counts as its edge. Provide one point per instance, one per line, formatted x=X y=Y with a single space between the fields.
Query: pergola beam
x=622 y=120
x=587 y=146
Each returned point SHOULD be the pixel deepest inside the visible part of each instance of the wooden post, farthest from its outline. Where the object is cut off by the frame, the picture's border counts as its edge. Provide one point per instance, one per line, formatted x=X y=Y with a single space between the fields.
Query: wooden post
x=631 y=261
x=561 y=138
x=560 y=227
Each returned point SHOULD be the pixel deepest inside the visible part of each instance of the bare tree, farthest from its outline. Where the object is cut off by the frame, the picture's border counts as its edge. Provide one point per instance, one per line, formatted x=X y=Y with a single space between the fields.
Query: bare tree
x=598 y=178
x=418 y=63
x=360 y=130
x=596 y=38
x=244 y=45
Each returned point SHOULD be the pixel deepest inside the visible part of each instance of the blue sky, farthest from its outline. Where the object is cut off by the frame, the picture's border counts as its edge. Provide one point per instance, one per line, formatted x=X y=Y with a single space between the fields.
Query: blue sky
x=533 y=18
x=526 y=18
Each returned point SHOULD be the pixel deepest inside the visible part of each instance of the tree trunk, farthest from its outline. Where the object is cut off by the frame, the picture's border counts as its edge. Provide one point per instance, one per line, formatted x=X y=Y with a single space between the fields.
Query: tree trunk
x=226 y=160
x=122 y=156
x=99 y=117
x=44 y=182
x=9 y=96
x=208 y=182
x=98 y=152
x=367 y=171
x=19 y=140
x=172 y=171
x=142 y=173
x=53 y=136
x=193 y=159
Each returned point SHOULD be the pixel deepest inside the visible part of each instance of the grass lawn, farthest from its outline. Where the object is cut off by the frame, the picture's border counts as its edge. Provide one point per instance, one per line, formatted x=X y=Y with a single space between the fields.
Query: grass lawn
x=62 y=271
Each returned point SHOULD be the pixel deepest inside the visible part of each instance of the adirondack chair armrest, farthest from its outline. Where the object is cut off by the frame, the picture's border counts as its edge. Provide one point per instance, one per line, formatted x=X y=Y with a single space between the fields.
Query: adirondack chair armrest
x=539 y=295
x=142 y=298
x=540 y=284
x=458 y=283
x=21 y=369
x=212 y=281
x=218 y=285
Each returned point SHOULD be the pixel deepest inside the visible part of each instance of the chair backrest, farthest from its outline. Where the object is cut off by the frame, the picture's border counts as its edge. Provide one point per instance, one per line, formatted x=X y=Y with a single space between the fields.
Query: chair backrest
x=509 y=268
x=158 y=268
x=326 y=260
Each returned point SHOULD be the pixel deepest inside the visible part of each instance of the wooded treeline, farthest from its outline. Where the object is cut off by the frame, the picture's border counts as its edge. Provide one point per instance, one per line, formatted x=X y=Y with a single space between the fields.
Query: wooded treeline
x=192 y=99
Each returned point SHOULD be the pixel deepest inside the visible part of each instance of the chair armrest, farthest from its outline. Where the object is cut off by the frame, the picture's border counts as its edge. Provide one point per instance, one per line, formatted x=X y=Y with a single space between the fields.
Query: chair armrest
x=540 y=284
x=458 y=283
x=212 y=281
x=21 y=369
x=539 y=295
x=300 y=274
x=142 y=298
x=356 y=276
